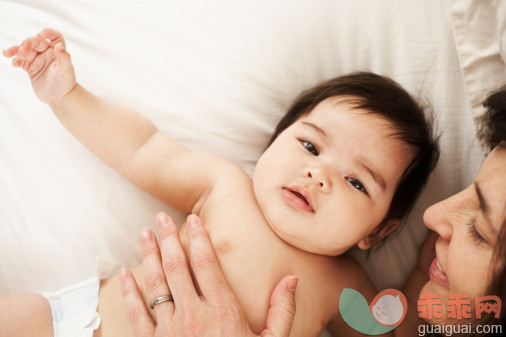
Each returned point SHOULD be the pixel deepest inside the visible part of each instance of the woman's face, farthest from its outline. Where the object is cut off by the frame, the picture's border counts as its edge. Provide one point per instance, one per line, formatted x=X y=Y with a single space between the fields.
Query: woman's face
x=468 y=225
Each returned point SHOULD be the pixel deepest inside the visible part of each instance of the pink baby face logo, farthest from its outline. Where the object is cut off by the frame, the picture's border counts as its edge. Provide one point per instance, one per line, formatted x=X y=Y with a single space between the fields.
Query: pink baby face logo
x=389 y=307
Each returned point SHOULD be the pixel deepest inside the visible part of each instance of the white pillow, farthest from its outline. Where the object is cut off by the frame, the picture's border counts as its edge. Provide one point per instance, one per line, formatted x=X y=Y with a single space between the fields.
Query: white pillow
x=476 y=26
x=500 y=7
x=217 y=75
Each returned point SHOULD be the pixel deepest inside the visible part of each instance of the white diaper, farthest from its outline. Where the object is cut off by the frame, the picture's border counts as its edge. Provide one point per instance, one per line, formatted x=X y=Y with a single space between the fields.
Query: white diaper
x=74 y=309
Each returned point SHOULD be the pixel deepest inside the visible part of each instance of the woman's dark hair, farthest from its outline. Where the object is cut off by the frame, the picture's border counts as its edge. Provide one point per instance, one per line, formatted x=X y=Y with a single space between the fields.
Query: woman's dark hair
x=381 y=96
x=492 y=130
x=492 y=125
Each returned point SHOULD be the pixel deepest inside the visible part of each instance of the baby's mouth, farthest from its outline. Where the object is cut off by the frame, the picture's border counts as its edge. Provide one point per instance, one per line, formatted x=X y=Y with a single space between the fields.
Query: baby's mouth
x=298 y=198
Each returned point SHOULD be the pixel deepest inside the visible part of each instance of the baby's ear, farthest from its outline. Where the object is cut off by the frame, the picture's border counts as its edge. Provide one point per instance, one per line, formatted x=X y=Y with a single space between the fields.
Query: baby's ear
x=376 y=236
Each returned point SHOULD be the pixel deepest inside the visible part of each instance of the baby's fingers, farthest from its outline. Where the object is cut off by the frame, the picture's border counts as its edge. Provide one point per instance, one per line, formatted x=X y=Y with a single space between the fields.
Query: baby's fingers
x=10 y=52
x=17 y=62
x=26 y=46
x=33 y=45
x=53 y=36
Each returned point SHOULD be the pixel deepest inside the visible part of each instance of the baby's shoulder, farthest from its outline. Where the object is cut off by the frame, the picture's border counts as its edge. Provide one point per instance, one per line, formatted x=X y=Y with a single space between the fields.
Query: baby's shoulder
x=231 y=176
x=233 y=181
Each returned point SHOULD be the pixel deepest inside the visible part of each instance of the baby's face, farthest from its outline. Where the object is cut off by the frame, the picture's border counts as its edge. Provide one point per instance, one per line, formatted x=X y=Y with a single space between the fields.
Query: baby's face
x=327 y=181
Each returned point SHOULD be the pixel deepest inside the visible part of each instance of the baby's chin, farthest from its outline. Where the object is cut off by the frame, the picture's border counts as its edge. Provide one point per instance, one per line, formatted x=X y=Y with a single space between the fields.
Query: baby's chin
x=301 y=242
x=285 y=236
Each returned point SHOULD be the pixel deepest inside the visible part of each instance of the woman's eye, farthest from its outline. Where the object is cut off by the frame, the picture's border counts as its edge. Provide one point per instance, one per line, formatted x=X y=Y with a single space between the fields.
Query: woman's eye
x=310 y=147
x=474 y=233
x=357 y=184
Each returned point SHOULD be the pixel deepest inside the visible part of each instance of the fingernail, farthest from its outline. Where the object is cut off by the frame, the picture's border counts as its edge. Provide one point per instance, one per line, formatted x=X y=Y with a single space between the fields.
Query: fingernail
x=292 y=283
x=163 y=219
x=122 y=275
x=146 y=235
x=193 y=221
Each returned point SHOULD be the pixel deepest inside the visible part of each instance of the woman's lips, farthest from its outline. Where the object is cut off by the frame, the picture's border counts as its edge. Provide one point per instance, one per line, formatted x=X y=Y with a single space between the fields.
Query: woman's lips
x=298 y=198
x=437 y=275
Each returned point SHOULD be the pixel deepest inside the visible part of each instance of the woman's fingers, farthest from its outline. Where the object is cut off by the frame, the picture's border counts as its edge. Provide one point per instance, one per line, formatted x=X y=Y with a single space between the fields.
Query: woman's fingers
x=193 y=314
x=174 y=262
x=154 y=277
x=205 y=265
x=137 y=311
x=282 y=308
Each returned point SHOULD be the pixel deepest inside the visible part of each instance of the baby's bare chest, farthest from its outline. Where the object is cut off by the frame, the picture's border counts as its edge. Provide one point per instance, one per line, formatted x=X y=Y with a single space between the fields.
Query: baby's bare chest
x=254 y=260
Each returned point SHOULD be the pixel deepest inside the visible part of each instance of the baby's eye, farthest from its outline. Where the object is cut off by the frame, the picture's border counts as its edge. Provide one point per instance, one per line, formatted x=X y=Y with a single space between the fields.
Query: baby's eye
x=310 y=147
x=357 y=184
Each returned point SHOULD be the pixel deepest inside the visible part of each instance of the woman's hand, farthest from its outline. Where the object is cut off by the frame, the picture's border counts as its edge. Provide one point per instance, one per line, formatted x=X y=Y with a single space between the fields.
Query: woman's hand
x=47 y=63
x=216 y=312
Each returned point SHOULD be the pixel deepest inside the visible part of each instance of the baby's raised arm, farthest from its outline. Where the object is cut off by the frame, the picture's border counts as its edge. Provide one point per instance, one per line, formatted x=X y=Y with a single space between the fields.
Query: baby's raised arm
x=122 y=138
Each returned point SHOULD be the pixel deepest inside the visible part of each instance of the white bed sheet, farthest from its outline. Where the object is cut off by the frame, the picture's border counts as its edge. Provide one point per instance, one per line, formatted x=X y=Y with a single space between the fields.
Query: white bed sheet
x=217 y=75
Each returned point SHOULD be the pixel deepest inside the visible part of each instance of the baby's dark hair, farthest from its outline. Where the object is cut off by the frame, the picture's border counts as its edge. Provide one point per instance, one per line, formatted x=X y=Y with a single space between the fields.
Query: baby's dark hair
x=381 y=96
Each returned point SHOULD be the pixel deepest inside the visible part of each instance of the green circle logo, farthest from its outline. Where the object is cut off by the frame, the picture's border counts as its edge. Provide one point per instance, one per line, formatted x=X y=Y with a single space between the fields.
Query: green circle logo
x=386 y=312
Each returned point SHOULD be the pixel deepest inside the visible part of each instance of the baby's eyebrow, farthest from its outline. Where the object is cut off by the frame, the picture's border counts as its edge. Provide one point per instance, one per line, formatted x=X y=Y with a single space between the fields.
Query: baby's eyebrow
x=375 y=175
x=316 y=128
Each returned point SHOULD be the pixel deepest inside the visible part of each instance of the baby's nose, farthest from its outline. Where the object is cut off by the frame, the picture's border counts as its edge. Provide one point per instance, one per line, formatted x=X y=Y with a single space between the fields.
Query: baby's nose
x=320 y=178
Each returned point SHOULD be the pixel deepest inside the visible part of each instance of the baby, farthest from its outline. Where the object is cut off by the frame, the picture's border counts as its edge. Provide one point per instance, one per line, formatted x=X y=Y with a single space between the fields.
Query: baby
x=344 y=166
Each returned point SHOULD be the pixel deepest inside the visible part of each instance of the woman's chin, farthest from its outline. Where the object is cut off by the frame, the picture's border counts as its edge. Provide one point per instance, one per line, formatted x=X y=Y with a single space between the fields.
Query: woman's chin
x=434 y=288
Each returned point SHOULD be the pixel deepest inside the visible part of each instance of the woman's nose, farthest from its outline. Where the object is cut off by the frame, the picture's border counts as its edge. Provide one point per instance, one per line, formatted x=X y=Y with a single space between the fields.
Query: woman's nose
x=433 y=217
x=319 y=177
x=445 y=215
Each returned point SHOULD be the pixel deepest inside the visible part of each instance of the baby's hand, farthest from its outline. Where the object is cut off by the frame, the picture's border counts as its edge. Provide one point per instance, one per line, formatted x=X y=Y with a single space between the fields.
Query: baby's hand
x=47 y=63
